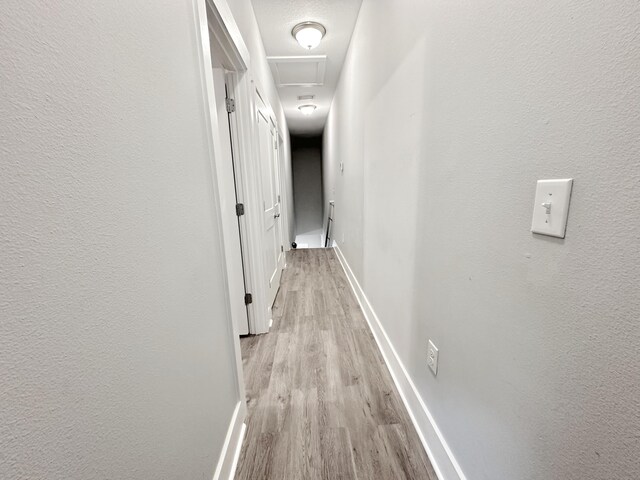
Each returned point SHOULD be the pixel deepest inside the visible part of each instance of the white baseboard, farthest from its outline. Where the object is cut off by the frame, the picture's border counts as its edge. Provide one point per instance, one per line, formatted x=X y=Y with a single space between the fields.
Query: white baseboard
x=230 y=454
x=441 y=457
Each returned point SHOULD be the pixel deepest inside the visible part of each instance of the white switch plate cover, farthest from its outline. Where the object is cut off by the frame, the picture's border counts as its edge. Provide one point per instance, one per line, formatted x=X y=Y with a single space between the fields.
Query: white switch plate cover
x=432 y=357
x=552 y=196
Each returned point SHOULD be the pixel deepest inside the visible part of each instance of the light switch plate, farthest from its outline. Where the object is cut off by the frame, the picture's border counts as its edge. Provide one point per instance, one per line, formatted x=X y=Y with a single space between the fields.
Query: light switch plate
x=551 y=207
x=432 y=357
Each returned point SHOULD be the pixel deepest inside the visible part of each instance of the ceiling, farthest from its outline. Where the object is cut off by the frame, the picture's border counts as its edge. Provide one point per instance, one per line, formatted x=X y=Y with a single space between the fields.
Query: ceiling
x=313 y=72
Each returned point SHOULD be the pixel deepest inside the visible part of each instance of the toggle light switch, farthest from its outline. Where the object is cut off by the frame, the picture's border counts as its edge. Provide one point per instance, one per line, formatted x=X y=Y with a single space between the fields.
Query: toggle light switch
x=551 y=207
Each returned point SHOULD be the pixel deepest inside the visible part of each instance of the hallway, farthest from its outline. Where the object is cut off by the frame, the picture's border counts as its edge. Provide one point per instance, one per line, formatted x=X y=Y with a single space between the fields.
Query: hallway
x=168 y=172
x=321 y=403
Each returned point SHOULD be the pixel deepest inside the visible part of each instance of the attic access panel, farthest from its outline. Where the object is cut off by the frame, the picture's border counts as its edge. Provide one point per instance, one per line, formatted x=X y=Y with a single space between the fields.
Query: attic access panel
x=298 y=71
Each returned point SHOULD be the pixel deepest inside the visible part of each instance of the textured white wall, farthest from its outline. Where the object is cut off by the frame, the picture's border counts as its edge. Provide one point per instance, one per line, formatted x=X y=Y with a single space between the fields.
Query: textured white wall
x=444 y=125
x=116 y=359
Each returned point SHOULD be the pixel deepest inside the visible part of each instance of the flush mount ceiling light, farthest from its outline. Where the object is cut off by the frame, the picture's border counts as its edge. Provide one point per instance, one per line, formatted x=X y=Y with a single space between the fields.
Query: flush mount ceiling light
x=308 y=34
x=307 y=109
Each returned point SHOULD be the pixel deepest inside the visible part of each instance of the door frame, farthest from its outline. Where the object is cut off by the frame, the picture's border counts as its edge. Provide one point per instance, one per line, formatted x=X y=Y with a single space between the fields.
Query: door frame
x=241 y=86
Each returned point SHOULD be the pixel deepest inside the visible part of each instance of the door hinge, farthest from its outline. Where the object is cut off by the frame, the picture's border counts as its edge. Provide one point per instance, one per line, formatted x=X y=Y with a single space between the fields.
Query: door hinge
x=239 y=209
x=231 y=105
x=282 y=248
x=248 y=298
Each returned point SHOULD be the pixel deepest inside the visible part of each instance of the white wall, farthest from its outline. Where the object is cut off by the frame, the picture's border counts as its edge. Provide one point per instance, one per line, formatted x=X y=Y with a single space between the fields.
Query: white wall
x=116 y=356
x=444 y=125
x=306 y=158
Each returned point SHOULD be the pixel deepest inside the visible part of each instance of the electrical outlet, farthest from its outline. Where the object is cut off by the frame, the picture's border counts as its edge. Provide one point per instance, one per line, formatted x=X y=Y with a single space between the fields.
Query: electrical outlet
x=432 y=357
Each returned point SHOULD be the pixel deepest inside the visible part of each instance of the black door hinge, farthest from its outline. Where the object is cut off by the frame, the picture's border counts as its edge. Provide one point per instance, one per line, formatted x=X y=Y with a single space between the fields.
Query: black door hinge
x=248 y=298
x=239 y=209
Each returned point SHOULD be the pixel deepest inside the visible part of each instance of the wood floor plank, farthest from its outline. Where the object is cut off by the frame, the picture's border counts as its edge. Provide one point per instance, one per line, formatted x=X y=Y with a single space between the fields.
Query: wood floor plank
x=336 y=454
x=322 y=404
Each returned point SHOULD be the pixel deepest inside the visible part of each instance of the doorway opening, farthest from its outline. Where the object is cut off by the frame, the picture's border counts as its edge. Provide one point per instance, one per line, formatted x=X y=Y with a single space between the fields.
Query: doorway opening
x=249 y=164
x=230 y=186
x=306 y=159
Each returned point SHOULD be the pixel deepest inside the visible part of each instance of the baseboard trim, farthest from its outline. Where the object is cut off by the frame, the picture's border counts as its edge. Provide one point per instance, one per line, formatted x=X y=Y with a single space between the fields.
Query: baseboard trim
x=230 y=454
x=442 y=459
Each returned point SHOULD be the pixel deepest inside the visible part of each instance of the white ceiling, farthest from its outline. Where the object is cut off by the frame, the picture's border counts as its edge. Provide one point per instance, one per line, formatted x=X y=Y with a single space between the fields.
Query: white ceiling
x=276 y=19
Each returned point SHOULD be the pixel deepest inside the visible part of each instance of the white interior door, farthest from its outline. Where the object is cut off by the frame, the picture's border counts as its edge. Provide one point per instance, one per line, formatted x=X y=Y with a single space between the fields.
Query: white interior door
x=227 y=185
x=269 y=173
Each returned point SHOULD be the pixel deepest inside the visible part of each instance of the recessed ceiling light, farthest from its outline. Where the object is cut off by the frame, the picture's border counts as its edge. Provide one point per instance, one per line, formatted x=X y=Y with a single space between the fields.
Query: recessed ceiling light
x=307 y=109
x=308 y=34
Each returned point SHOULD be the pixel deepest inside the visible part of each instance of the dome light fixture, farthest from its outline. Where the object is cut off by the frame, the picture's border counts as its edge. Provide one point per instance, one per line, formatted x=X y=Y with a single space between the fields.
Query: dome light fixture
x=308 y=34
x=307 y=109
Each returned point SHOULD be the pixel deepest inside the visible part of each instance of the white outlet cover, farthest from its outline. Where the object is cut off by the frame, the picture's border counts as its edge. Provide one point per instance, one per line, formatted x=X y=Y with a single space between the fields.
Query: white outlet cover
x=551 y=207
x=432 y=357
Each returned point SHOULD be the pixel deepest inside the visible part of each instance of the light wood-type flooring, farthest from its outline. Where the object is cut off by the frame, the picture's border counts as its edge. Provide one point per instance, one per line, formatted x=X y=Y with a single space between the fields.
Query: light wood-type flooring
x=322 y=404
